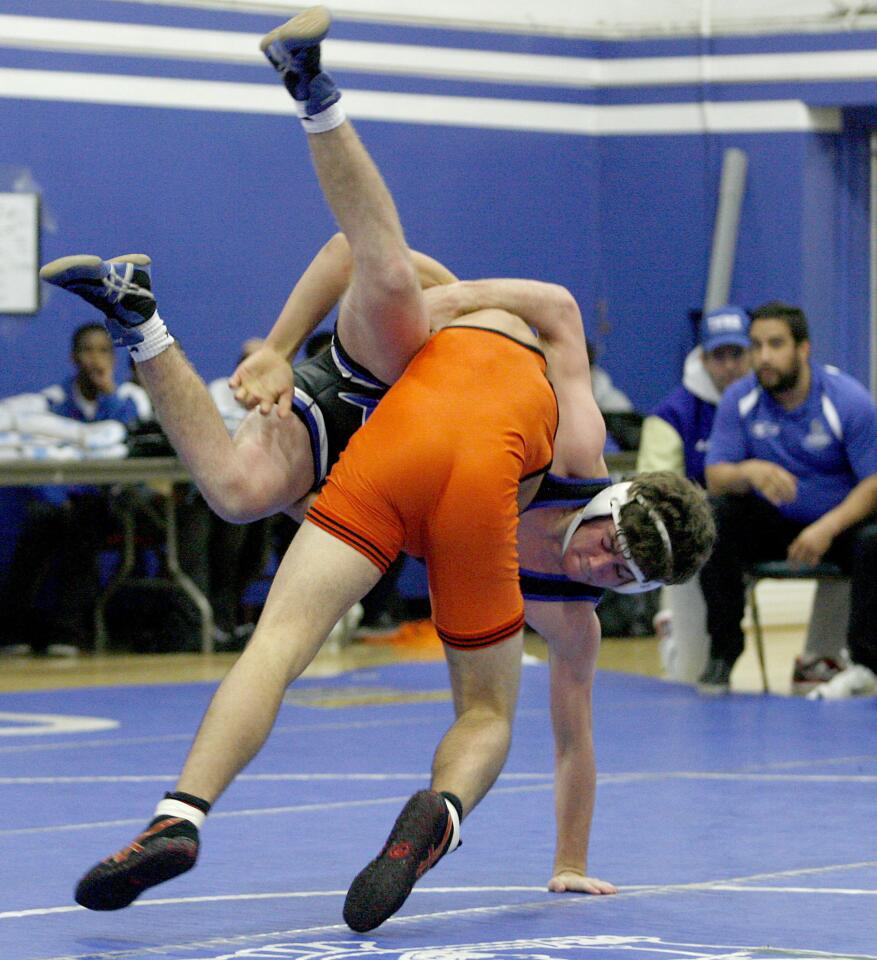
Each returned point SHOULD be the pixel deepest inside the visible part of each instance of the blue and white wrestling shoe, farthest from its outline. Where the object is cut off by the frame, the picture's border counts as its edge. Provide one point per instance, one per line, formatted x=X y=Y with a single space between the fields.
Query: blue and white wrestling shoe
x=120 y=288
x=294 y=51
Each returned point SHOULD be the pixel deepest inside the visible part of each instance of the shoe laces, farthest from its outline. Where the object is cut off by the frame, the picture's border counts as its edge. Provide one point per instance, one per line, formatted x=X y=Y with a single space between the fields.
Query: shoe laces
x=119 y=285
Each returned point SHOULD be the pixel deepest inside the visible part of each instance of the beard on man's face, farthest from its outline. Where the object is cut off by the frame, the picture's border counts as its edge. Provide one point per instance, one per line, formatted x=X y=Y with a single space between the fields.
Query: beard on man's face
x=777 y=381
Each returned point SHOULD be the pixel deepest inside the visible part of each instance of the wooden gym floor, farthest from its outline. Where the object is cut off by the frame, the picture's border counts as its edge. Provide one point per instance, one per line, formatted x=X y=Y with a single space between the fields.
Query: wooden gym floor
x=634 y=656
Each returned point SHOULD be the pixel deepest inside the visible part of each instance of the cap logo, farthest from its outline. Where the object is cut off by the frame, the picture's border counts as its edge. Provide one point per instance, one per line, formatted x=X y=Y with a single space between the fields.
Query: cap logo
x=724 y=323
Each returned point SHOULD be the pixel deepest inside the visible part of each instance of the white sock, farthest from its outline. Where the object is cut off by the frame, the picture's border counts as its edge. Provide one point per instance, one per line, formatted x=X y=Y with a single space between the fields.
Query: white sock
x=326 y=120
x=156 y=339
x=454 y=842
x=176 y=808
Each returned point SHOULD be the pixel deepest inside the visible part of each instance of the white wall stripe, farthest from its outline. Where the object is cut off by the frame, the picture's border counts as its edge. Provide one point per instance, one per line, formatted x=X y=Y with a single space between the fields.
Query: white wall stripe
x=230 y=47
x=582 y=119
x=602 y=18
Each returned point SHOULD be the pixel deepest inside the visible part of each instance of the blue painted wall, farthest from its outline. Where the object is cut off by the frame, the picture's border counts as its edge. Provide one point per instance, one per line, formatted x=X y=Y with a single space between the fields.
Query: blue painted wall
x=229 y=209
x=803 y=238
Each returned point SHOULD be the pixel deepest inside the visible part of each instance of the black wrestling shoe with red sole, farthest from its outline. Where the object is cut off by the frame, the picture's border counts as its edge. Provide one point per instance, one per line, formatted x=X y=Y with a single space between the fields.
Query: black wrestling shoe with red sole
x=167 y=848
x=420 y=837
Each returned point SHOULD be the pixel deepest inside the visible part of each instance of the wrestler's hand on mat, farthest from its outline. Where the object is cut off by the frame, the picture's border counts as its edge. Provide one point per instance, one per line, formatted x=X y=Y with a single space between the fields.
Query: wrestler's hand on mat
x=264 y=380
x=573 y=881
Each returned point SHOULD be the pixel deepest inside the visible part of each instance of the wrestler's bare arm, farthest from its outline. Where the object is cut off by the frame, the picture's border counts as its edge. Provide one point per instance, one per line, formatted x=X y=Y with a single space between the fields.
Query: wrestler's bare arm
x=547 y=307
x=552 y=311
x=572 y=632
x=315 y=295
x=265 y=377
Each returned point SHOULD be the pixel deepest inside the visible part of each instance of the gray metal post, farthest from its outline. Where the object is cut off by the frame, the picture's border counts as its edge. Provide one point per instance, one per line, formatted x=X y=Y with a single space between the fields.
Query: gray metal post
x=731 y=189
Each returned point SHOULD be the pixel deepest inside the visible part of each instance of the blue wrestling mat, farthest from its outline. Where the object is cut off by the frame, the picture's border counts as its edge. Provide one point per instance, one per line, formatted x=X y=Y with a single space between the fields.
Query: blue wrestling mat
x=741 y=827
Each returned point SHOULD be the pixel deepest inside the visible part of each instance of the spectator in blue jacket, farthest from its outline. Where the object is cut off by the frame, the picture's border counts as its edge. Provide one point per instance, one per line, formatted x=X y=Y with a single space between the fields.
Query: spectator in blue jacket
x=53 y=578
x=675 y=437
x=792 y=464
x=90 y=393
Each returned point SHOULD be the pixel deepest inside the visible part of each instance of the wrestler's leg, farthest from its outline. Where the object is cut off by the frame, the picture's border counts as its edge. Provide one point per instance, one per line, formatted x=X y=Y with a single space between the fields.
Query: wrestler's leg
x=468 y=760
x=382 y=322
x=262 y=470
x=473 y=576
x=241 y=481
x=472 y=753
x=318 y=580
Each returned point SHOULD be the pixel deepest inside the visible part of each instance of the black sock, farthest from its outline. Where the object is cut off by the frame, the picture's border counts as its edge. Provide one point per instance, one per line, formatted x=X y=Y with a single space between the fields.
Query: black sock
x=191 y=799
x=454 y=800
x=175 y=828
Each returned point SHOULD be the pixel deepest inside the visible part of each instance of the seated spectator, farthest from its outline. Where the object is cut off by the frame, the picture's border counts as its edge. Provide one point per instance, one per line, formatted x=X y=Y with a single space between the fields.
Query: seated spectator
x=792 y=465
x=65 y=528
x=675 y=437
x=623 y=423
x=91 y=393
x=610 y=399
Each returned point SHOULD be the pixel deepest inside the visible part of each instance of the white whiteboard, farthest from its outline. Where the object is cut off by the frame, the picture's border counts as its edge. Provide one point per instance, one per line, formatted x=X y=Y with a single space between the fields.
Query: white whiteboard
x=19 y=252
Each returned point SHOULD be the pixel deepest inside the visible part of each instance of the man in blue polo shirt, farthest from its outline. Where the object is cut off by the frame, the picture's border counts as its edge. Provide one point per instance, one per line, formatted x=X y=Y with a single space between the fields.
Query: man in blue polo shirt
x=793 y=466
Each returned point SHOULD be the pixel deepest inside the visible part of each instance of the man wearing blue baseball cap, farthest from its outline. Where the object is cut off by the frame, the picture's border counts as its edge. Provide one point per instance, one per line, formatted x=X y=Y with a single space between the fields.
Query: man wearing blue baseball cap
x=726 y=327
x=675 y=437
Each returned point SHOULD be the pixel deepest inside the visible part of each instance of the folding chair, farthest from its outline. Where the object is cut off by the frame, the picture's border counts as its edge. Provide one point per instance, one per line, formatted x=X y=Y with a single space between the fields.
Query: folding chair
x=780 y=570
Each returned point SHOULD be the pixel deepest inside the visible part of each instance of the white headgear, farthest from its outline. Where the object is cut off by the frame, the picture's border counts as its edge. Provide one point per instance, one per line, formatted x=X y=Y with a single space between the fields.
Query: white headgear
x=607 y=503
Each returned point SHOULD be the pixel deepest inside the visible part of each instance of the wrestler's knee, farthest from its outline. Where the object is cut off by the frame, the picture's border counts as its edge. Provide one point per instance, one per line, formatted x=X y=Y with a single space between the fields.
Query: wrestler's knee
x=281 y=652
x=235 y=498
x=493 y=712
x=393 y=276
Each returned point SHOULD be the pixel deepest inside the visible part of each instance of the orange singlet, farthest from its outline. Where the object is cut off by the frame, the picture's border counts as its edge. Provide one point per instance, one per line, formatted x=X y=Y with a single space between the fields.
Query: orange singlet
x=435 y=471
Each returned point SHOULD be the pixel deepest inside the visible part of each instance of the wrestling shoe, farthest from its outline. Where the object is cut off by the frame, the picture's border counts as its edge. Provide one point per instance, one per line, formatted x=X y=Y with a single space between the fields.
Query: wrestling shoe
x=293 y=49
x=120 y=288
x=423 y=832
x=167 y=848
x=856 y=680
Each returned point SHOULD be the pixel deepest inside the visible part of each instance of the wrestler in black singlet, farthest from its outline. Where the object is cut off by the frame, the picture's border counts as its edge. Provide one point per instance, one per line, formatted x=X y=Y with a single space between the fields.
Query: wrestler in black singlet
x=333 y=397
